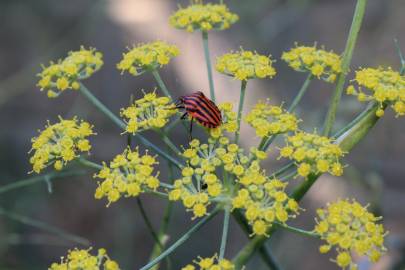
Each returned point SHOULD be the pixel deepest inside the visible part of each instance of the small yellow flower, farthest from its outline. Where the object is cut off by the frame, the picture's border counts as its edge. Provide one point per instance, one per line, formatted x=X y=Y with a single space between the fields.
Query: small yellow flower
x=129 y=175
x=210 y=263
x=66 y=73
x=350 y=228
x=204 y=17
x=386 y=86
x=147 y=57
x=229 y=121
x=320 y=63
x=83 y=260
x=245 y=65
x=149 y=112
x=313 y=154
x=60 y=143
x=269 y=120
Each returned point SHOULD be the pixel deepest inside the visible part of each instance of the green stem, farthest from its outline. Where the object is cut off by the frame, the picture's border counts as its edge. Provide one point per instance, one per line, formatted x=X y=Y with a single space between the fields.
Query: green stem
x=44 y=226
x=301 y=93
x=240 y=108
x=181 y=240
x=161 y=84
x=39 y=178
x=225 y=230
x=147 y=222
x=89 y=163
x=296 y=230
x=169 y=143
x=265 y=253
x=347 y=56
x=100 y=106
x=208 y=62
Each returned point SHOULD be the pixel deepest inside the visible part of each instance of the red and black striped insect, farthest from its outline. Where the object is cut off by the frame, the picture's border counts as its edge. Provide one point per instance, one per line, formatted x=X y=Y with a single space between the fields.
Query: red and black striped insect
x=197 y=106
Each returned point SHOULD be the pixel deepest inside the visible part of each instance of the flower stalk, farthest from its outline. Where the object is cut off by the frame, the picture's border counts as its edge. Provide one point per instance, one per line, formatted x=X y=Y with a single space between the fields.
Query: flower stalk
x=240 y=108
x=208 y=63
x=161 y=84
x=347 y=57
x=225 y=230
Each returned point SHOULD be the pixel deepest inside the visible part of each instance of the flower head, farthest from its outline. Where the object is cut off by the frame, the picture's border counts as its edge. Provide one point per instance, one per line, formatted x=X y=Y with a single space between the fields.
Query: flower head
x=313 y=154
x=66 y=73
x=210 y=263
x=245 y=65
x=269 y=120
x=229 y=123
x=320 y=63
x=349 y=227
x=386 y=86
x=148 y=112
x=129 y=175
x=83 y=260
x=60 y=143
x=199 y=183
x=146 y=57
x=203 y=17
x=263 y=200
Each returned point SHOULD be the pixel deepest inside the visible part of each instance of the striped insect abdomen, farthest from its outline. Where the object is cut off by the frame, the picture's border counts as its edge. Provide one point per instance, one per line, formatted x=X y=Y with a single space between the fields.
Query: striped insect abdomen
x=203 y=110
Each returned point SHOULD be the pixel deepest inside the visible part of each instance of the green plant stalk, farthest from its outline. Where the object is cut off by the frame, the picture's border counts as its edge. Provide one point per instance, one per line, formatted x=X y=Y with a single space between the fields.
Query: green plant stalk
x=301 y=93
x=161 y=84
x=169 y=143
x=265 y=254
x=44 y=226
x=37 y=179
x=240 y=108
x=89 y=163
x=147 y=221
x=181 y=240
x=225 y=231
x=347 y=57
x=156 y=250
x=296 y=230
x=208 y=62
x=100 y=106
x=346 y=141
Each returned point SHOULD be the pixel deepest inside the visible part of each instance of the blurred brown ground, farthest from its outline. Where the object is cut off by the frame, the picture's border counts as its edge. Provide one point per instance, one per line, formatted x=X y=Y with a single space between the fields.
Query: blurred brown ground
x=34 y=32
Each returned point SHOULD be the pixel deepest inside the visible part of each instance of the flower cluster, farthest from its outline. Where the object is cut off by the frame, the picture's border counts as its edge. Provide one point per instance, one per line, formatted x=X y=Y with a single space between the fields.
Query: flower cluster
x=66 y=73
x=269 y=120
x=210 y=263
x=229 y=120
x=60 y=143
x=203 y=17
x=148 y=112
x=349 y=227
x=320 y=63
x=263 y=199
x=386 y=85
x=145 y=57
x=313 y=154
x=83 y=260
x=129 y=174
x=199 y=182
x=244 y=65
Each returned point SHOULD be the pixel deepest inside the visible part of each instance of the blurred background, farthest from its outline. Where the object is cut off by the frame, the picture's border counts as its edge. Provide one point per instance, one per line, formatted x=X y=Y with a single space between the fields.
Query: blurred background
x=35 y=32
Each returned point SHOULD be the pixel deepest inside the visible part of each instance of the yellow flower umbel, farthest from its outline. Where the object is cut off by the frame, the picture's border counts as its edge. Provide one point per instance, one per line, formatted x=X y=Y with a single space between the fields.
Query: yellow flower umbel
x=269 y=120
x=229 y=123
x=60 y=143
x=313 y=154
x=245 y=65
x=349 y=227
x=149 y=112
x=66 y=73
x=210 y=263
x=320 y=63
x=147 y=57
x=199 y=184
x=386 y=86
x=83 y=260
x=263 y=200
x=203 y=17
x=129 y=175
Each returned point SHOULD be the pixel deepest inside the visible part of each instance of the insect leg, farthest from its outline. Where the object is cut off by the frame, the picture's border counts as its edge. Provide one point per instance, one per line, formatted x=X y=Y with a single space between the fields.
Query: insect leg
x=183 y=116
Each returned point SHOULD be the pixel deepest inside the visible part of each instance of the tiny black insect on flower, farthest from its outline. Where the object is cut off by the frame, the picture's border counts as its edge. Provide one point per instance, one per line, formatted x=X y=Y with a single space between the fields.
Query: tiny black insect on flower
x=197 y=106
